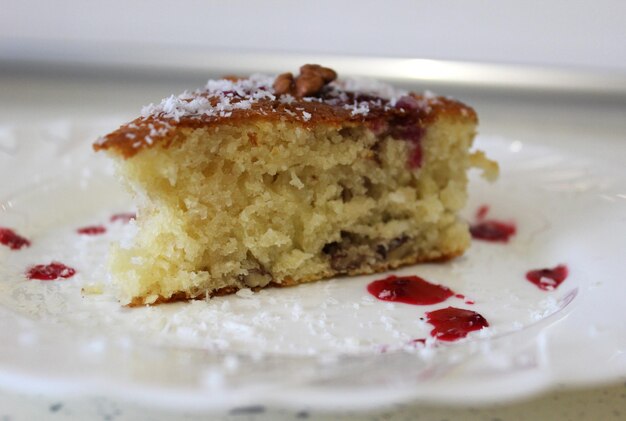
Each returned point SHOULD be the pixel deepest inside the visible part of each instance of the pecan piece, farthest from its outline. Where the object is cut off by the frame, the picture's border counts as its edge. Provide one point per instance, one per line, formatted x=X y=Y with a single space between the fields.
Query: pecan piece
x=308 y=84
x=311 y=80
x=257 y=275
x=327 y=74
x=283 y=83
x=257 y=278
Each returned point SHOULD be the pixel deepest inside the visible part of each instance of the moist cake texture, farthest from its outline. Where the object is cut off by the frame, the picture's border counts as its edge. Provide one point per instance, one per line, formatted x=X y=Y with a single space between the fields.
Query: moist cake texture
x=279 y=180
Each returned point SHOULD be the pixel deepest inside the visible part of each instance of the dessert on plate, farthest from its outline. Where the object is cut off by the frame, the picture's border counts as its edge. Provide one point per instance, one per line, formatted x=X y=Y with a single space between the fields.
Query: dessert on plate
x=280 y=180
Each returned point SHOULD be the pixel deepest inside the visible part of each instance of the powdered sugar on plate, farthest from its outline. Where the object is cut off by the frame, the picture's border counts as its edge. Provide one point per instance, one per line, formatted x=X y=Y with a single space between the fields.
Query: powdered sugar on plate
x=329 y=317
x=329 y=342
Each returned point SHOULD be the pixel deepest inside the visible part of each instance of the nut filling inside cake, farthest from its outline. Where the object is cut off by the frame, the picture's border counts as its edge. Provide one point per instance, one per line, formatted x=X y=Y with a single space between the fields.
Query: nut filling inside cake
x=270 y=181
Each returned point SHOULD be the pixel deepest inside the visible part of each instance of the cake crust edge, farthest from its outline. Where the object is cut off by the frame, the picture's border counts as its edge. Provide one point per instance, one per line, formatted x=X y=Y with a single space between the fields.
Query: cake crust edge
x=290 y=282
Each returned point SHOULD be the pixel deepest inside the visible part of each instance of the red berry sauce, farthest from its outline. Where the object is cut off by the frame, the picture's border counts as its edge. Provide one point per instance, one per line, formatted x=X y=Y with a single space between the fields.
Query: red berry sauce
x=406 y=124
x=421 y=341
x=491 y=229
x=92 y=230
x=463 y=297
x=416 y=157
x=123 y=217
x=50 y=272
x=495 y=231
x=548 y=279
x=409 y=290
x=414 y=343
x=12 y=240
x=453 y=323
x=482 y=212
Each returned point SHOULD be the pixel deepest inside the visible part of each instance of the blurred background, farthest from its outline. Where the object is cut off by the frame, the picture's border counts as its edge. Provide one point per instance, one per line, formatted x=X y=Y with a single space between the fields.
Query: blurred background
x=120 y=54
x=565 y=33
x=92 y=58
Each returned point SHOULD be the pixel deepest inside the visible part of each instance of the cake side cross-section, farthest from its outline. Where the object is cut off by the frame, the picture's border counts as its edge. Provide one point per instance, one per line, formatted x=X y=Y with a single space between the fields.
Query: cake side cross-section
x=275 y=181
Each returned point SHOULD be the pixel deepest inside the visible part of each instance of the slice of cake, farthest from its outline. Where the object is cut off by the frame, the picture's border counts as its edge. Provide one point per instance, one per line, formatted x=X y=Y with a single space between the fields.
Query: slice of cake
x=276 y=181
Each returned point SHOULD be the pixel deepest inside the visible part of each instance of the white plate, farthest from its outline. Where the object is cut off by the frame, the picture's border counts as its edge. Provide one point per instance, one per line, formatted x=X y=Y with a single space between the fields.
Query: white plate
x=319 y=345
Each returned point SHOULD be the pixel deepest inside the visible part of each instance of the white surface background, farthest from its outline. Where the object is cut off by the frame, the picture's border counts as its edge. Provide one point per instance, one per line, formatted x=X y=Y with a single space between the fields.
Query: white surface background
x=566 y=33
x=606 y=404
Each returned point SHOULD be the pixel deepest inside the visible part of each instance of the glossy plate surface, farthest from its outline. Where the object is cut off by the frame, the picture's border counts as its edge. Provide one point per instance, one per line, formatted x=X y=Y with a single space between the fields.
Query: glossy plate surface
x=327 y=344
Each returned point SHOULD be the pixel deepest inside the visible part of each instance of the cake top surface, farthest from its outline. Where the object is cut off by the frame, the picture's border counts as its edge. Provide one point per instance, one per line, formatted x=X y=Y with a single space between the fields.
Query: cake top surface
x=313 y=97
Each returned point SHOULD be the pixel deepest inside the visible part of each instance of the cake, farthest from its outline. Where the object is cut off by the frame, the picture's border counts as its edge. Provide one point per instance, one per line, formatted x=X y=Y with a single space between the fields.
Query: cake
x=281 y=180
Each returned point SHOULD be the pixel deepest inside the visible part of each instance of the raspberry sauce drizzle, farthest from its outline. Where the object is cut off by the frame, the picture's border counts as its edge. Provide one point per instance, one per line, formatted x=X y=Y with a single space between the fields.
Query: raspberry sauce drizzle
x=463 y=297
x=491 y=229
x=548 y=279
x=92 y=230
x=451 y=324
x=12 y=240
x=409 y=290
x=50 y=271
x=482 y=212
x=123 y=217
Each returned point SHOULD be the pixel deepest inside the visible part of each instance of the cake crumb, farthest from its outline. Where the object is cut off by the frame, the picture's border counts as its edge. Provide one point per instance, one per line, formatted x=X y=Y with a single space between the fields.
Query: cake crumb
x=245 y=293
x=94 y=288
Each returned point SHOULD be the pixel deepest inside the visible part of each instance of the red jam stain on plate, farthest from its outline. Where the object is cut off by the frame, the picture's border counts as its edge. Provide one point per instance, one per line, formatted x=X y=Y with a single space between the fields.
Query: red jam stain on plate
x=123 y=217
x=409 y=290
x=463 y=297
x=482 y=212
x=453 y=323
x=413 y=343
x=420 y=341
x=548 y=279
x=491 y=229
x=92 y=230
x=50 y=272
x=12 y=240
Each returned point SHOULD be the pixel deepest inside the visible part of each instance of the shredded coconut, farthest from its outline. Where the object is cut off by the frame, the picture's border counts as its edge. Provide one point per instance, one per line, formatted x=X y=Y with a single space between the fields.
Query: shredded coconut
x=287 y=99
x=361 y=108
x=219 y=98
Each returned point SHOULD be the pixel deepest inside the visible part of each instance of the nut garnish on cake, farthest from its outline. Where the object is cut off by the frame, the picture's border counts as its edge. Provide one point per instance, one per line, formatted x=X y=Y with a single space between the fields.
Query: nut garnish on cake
x=275 y=181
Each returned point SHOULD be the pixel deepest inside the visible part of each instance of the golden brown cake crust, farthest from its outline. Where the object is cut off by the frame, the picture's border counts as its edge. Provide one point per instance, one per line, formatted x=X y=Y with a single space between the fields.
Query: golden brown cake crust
x=289 y=282
x=236 y=101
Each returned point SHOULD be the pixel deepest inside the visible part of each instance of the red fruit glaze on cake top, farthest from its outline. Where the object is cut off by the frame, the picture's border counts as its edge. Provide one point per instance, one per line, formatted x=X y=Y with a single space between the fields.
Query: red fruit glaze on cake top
x=12 y=240
x=312 y=100
x=123 y=217
x=407 y=127
x=416 y=157
x=409 y=290
x=548 y=279
x=50 y=272
x=454 y=323
x=491 y=229
x=92 y=230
